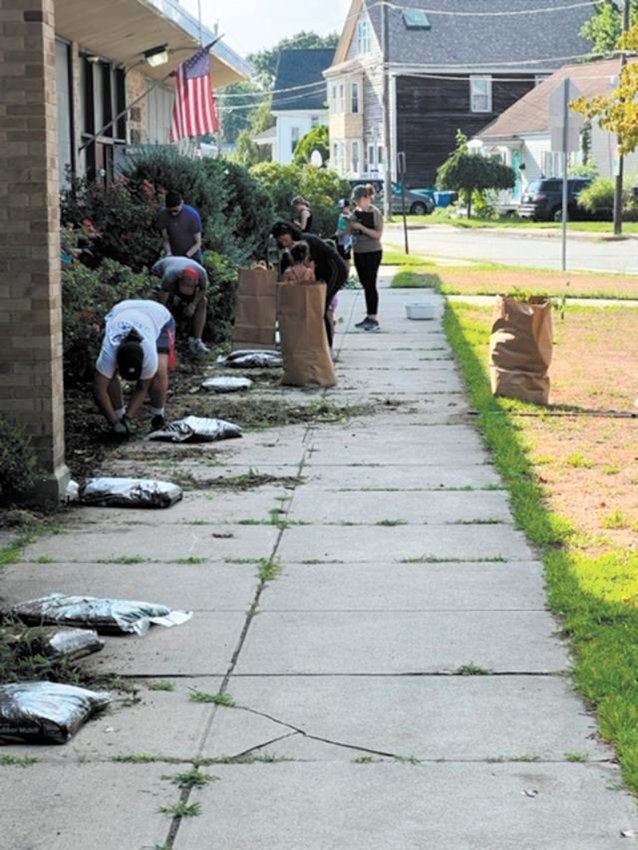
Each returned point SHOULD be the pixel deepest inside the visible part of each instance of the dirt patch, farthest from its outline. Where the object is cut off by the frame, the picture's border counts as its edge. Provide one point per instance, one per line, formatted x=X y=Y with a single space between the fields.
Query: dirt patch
x=248 y=481
x=584 y=456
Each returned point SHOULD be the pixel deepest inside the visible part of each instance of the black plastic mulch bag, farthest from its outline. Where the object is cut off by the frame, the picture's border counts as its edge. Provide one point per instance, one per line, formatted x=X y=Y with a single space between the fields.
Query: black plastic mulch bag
x=73 y=643
x=46 y=712
x=252 y=359
x=129 y=493
x=197 y=429
x=107 y=616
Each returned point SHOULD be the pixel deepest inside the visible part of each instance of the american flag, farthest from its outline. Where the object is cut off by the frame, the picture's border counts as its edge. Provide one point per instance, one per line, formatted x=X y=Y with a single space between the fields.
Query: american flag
x=194 y=112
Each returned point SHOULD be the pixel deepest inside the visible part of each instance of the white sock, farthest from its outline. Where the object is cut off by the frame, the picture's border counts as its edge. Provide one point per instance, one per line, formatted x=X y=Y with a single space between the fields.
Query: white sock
x=157 y=411
x=120 y=412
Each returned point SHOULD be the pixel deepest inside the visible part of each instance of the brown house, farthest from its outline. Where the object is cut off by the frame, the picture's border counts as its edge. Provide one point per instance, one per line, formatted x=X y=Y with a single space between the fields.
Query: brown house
x=451 y=64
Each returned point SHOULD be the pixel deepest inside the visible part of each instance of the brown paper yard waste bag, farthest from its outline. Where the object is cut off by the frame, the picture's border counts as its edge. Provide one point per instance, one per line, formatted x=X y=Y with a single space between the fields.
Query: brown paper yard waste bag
x=521 y=349
x=256 y=308
x=304 y=344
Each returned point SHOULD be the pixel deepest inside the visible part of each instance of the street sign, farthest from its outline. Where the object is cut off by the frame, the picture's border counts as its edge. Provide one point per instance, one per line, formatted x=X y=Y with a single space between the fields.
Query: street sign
x=560 y=115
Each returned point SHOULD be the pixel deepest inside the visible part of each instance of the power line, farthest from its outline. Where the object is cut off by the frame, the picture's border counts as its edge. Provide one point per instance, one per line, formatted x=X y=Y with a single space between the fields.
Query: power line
x=501 y=14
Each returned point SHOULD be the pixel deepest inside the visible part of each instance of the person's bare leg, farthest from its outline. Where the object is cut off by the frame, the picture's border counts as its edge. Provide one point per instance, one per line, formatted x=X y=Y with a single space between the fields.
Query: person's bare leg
x=159 y=388
x=199 y=319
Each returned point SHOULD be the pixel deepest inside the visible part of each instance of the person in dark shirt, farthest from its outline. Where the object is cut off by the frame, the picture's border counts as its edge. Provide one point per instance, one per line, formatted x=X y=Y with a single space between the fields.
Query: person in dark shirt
x=183 y=291
x=181 y=228
x=329 y=267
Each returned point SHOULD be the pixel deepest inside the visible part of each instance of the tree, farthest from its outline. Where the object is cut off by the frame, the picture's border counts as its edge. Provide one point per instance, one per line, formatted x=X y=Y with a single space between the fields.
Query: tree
x=618 y=111
x=605 y=27
x=265 y=61
x=466 y=173
x=238 y=104
x=318 y=139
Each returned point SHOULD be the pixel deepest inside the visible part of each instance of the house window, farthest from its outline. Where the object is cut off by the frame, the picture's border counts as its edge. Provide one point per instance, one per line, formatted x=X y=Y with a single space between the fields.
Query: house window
x=342 y=98
x=334 y=98
x=342 y=158
x=415 y=19
x=363 y=37
x=552 y=164
x=356 y=158
x=103 y=97
x=481 y=94
x=380 y=156
x=294 y=138
x=371 y=164
x=354 y=98
x=64 y=98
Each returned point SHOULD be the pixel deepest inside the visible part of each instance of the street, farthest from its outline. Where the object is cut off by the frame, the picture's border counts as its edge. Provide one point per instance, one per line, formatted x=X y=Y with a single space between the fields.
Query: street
x=585 y=252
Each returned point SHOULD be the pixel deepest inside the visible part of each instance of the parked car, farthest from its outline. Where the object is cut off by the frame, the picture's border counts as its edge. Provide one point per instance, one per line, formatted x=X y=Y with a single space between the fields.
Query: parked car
x=543 y=199
x=417 y=201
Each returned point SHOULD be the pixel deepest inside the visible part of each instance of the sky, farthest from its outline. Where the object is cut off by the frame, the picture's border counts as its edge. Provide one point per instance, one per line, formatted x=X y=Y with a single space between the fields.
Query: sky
x=252 y=25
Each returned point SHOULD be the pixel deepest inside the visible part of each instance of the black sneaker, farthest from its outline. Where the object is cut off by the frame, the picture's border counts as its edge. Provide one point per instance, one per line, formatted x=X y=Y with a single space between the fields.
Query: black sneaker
x=157 y=422
x=371 y=325
x=361 y=324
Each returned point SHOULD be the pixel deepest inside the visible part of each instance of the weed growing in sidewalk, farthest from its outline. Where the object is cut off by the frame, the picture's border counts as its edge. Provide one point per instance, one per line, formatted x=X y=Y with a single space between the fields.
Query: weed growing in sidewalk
x=269 y=569
x=192 y=779
x=216 y=699
x=182 y=810
x=472 y=669
x=18 y=761
x=161 y=686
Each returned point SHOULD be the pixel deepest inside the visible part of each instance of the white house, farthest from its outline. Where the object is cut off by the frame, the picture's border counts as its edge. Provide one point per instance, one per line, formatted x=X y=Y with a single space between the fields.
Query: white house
x=521 y=136
x=299 y=102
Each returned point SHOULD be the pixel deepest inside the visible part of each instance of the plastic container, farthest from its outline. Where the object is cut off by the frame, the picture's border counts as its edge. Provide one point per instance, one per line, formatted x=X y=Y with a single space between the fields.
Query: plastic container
x=419 y=311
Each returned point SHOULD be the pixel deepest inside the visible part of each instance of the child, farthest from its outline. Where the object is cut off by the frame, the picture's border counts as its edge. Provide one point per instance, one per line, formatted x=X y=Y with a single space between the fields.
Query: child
x=344 y=234
x=301 y=268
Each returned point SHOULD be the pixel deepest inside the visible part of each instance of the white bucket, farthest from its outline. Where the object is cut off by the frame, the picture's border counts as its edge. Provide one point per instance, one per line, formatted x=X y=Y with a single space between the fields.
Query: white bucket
x=419 y=310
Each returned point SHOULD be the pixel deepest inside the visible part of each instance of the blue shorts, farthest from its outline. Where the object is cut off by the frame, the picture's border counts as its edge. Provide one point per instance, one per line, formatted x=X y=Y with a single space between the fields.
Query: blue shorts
x=166 y=339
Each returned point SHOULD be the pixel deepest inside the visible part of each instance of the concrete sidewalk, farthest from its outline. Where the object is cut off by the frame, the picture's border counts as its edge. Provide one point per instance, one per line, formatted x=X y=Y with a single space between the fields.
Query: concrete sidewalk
x=401 y=571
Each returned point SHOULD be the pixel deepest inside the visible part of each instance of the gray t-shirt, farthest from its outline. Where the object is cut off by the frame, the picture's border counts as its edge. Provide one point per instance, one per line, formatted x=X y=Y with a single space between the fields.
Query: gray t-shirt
x=362 y=243
x=170 y=270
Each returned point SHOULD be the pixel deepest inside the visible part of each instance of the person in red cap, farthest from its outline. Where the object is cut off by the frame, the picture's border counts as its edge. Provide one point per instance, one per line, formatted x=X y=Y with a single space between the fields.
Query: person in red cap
x=183 y=290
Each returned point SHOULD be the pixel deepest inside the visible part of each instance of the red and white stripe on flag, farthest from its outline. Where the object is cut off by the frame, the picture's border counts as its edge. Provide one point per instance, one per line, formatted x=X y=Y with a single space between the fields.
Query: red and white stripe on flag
x=194 y=112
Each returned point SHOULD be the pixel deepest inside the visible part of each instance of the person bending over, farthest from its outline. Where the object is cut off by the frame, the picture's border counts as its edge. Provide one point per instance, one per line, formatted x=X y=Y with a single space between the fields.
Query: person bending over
x=139 y=340
x=329 y=267
x=183 y=290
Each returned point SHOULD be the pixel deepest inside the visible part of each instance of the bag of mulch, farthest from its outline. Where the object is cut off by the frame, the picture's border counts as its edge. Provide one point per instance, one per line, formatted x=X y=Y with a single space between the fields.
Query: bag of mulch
x=197 y=429
x=250 y=359
x=46 y=712
x=129 y=493
x=74 y=643
x=226 y=385
x=521 y=348
x=107 y=616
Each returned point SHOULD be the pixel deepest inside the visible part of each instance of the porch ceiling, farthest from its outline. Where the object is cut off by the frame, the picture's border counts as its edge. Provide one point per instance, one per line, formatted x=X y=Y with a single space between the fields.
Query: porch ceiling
x=121 y=30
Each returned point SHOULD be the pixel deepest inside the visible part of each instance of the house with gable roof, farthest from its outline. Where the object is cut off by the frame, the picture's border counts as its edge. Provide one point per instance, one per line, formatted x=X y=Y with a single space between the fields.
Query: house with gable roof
x=299 y=102
x=452 y=65
x=521 y=136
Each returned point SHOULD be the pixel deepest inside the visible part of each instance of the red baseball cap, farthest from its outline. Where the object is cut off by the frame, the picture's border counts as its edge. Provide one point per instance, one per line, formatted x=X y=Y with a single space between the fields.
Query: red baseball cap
x=191 y=273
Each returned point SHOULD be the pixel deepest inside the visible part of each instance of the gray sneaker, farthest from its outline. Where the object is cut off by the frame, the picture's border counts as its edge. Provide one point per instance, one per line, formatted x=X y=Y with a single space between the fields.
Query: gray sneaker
x=197 y=346
x=362 y=323
x=371 y=325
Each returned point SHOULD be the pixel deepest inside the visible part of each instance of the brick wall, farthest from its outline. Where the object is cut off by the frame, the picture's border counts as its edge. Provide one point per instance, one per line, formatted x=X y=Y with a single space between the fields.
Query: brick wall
x=136 y=85
x=31 y=391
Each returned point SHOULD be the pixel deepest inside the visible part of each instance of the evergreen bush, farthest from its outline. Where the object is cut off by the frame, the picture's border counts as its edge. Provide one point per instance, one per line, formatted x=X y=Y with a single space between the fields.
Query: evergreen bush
x=18 y=464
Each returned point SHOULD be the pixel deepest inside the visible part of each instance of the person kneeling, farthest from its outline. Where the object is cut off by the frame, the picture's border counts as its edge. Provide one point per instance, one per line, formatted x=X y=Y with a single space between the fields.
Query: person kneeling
x=183 y=290
x=139 y=342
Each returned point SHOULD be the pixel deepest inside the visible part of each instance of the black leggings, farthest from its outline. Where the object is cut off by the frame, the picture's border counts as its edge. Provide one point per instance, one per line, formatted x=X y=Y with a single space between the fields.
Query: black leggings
x=367 y=266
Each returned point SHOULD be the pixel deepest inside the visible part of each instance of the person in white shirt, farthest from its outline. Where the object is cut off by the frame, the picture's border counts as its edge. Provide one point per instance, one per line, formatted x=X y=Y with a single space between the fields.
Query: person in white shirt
x=139 y=342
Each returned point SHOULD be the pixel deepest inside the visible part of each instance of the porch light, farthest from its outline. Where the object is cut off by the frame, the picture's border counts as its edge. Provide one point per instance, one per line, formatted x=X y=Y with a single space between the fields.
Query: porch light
x=157 y=56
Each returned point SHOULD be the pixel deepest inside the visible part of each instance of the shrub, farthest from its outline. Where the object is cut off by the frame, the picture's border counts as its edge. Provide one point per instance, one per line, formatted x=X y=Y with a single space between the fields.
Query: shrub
x=18 y=464
x=236 y=211
x=222 y=274
x=87 y=296
x=598 y=197
x=321 y=187
x=318 y=139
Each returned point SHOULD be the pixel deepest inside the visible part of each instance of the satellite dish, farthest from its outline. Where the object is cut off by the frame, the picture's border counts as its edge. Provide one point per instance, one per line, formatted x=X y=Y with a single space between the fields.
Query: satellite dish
x=316 y=159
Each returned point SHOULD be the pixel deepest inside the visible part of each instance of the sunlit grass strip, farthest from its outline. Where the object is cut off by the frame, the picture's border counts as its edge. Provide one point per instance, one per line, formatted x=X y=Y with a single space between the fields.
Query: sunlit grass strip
x=603 y=633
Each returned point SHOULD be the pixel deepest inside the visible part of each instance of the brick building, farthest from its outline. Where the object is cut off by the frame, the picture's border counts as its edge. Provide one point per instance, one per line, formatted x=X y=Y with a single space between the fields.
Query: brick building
x=67 y=68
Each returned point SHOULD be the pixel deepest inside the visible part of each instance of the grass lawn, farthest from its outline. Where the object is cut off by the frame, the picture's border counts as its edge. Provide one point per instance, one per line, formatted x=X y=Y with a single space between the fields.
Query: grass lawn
x=605 y=228
x=572 y=477
x=493 y=279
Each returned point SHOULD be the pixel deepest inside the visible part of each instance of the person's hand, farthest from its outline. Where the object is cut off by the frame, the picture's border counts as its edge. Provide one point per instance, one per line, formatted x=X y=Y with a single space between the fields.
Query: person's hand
x=189 y=312
x=123 y=427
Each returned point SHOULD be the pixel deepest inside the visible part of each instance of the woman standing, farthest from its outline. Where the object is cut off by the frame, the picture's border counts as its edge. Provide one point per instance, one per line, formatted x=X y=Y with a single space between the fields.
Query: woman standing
x=366 y=223
x=302 y=214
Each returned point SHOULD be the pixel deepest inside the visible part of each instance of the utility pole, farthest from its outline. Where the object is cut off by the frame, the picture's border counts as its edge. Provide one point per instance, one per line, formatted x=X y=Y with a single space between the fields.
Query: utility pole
x=387 y=167
x=620 y=165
